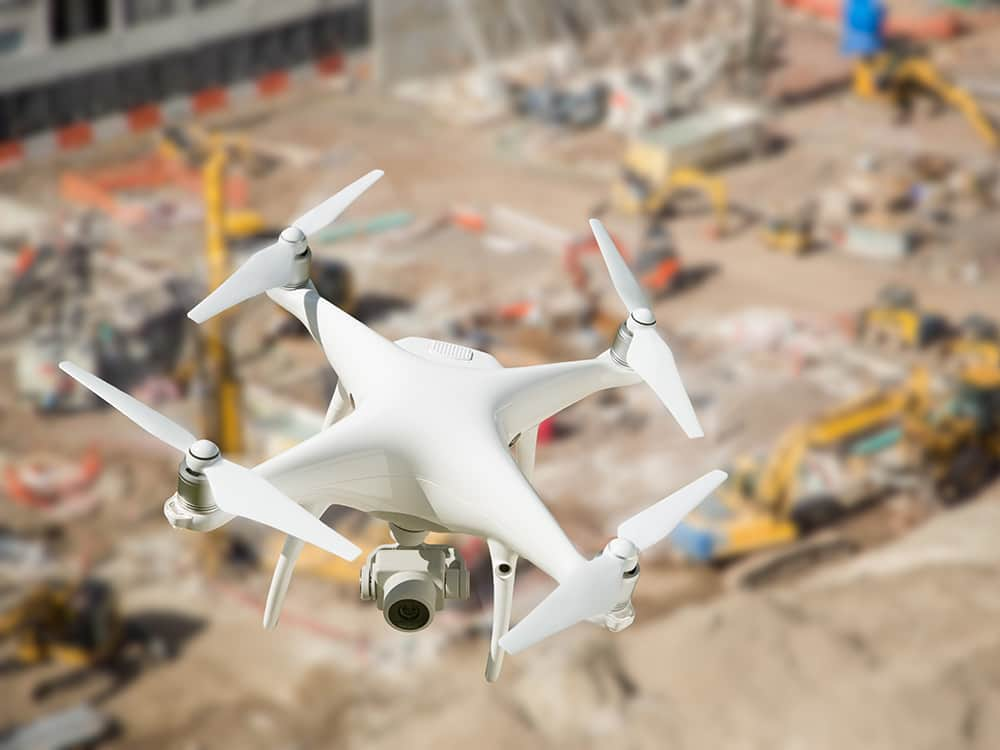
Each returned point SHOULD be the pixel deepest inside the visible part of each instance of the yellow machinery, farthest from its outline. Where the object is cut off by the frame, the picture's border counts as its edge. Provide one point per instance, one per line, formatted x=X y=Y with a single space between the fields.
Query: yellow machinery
x=976 y=343
x=221 y=388
x=896 y=319
x=221 y=410
x=816 y=472
x=898 y=76
x=197 y=148
x=791 y=234
x=74 y=624
x=649 y=183
x=957 y=445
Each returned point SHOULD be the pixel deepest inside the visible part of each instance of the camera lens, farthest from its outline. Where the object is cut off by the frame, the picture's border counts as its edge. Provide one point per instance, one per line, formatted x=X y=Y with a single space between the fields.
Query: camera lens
x=409 y=614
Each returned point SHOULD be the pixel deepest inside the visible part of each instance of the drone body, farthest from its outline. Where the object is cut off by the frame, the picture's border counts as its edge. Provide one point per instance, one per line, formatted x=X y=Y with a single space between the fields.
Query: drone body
x=428 y=436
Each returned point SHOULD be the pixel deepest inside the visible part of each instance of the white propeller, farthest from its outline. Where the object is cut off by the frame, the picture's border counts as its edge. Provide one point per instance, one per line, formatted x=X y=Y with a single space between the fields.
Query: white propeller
x=274 y=266
x=236 y=489
x=648 y=354
x=595 y=588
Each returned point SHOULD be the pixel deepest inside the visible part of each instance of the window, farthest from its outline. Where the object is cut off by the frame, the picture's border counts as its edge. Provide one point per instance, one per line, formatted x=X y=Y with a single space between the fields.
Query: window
x=141 y=11
x=69 y=19
x=10 y=40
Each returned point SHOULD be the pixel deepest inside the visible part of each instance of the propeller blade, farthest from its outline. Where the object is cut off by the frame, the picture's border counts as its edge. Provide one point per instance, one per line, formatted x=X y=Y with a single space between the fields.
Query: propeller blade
x=652 y=360
x=589 y=591
x=624 y=280
x=151 y=421
x=266 y=269
x=652 y=525
x=240 y=492
x=327 y=212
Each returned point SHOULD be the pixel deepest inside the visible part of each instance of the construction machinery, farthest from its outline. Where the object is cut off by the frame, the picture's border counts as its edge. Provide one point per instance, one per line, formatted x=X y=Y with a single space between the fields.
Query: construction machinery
x=579 y=104
x=220 y=388
x=791 y=233
x=661 y=163
x=646 y=189
x=816 y=473
x=196 y=147
x=79 y=625
x=900 y=75
x=658 y=266
x=976 y=342
x=127 y=320
x=956 y=446
x=897 y=71
x=896 y=320
x=76 y=624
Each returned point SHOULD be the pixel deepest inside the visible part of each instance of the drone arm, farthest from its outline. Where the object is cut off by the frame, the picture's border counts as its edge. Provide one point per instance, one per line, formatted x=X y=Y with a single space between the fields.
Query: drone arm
x=504 y=563
x=304 y=472
x=528 y=395
x=340 y=406
x=524 y=452
x=296 y=304
x=359 y=355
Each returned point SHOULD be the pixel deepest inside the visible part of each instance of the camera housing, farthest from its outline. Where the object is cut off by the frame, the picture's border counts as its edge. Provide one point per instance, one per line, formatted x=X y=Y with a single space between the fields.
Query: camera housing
x=410 y=583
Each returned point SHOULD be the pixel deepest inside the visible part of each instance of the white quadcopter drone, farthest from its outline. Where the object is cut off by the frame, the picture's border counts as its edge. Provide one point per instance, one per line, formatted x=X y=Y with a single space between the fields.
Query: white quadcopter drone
x=427 y=436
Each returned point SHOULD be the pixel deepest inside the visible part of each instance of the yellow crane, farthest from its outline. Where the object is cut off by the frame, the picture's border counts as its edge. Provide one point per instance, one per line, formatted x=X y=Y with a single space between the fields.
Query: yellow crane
x=221 y=408
x=197 y=148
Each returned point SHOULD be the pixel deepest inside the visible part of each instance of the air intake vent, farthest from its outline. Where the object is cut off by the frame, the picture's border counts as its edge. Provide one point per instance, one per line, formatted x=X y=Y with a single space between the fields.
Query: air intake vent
x=452 y=351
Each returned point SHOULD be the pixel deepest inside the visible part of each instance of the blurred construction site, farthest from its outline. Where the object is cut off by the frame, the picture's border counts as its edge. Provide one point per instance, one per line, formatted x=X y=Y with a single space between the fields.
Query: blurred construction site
x=809 y=189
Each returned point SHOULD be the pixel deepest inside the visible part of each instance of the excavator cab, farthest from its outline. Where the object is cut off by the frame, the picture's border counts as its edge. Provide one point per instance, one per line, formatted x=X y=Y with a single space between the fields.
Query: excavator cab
x=658 y=265
x=92 y=627
x=897 y=296
x=75 y=624
x=976 y=343
x=958 y=444
x=897 y=319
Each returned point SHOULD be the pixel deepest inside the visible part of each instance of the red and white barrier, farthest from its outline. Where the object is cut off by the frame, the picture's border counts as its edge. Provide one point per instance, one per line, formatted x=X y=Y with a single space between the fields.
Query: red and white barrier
x=152 y=116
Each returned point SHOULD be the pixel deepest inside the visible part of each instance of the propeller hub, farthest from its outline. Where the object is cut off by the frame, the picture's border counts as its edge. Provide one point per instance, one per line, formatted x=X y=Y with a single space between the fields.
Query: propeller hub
x=625 y=550
x=294 y=236
x=643 y=316
x=202 y=453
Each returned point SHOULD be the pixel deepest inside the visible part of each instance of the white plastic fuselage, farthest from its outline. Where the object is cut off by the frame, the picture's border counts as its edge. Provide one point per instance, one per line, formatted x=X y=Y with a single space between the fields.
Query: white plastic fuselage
x=427 y=444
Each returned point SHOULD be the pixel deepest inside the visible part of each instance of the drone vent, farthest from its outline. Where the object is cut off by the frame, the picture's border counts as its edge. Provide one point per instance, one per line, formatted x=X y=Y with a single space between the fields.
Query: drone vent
x=452 y=351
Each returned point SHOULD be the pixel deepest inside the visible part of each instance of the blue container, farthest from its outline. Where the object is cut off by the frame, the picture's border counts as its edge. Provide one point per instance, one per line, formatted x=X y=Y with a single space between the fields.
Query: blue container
x=864 y=21
x=692 y=543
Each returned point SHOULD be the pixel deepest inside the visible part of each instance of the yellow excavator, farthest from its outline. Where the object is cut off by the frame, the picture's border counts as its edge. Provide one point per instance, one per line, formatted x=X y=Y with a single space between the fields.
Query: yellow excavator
x=76 y=624
x=956 y=445
x=649 y=185
x=79 y=625
x=899 y=75
x=817 y=472
x=976 y=343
